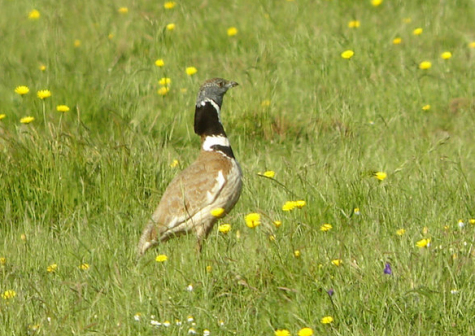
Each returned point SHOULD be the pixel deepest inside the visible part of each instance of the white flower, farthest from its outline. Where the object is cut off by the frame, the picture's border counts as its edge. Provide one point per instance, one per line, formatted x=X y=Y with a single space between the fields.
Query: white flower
x=454 y=291
x=189 y=288
x=206 y=332
x=192 y=331
x=155 y=323
x=166 y=324
x=137 y=317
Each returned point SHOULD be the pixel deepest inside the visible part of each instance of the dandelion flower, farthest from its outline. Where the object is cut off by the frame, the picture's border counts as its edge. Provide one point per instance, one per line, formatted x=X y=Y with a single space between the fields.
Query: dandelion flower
x=347 y=54
x=159 y=62
x=381 y=176
x=326 y=320
x=376 y=3
x=77 y=43
x=397 y=40
x=266 y=103
x=9 y=294
x=2 y=116
x=269 y=174
x=277 y=223
x=26 y=120
x=165 y=81
x=224 y=228
x=471 y=45
x=288 y=206
x=282 y=332
x=22 y=90
x=354 y=24
x=161 y=258
x=123 y=10
x=472 y=221
x=401 y=232
x=297 y=254
x=217 y=212
x=232 y=31
x=209 y=269
x=305 y=332
x=423 y=243
x=174 y=163
x=43 y=94
x=169 y=4
x=3 y=261
x=171 y=26
x=190 y=71
x=163 y=90
x=253 y=220
x=34 y=15
x=42 y=67
x=446 y=55
x=326 y=227
x=426 y=107
x=356 y=211
x=84 y=267
x=52 y=268
x=337 y=262
x=62 y=108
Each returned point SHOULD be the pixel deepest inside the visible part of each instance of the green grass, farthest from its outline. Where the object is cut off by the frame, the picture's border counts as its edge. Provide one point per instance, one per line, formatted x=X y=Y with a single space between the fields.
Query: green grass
x=81 y=185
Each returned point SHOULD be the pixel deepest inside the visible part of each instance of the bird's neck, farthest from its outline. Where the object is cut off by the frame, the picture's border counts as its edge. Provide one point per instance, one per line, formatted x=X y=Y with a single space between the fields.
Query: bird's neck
x=208 y=126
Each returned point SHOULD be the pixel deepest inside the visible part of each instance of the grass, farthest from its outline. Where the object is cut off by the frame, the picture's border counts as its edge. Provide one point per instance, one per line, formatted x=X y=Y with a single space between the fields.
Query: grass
x=78 y=187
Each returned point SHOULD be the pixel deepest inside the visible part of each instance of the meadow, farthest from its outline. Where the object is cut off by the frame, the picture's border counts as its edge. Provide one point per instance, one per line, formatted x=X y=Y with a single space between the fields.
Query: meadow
x=354 y=127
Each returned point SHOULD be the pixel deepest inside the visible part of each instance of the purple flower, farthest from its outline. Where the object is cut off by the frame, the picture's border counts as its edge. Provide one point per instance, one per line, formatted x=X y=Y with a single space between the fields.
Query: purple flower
x=387 y=269
x=330 y=292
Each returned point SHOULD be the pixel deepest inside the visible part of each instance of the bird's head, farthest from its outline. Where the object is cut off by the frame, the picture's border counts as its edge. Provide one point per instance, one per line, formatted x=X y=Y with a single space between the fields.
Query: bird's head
x=214 y=89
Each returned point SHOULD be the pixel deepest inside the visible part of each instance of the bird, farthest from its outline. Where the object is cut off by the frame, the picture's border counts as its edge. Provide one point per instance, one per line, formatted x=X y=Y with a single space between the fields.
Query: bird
x=212 y=181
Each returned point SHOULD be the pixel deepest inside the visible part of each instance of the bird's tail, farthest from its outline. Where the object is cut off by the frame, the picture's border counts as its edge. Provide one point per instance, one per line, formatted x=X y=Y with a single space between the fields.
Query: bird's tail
x=148 y=238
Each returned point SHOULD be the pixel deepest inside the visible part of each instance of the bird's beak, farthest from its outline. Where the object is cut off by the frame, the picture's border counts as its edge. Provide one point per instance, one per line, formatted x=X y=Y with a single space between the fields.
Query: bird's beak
x=231 y=84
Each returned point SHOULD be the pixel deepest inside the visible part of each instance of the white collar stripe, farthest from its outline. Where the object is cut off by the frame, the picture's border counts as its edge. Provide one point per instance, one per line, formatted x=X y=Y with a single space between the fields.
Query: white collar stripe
x=213 y=140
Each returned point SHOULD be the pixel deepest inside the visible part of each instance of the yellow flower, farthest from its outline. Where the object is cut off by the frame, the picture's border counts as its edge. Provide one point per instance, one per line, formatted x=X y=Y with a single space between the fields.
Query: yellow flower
x=265 y=103
x=381 y=175
x=3 y=261
x=425 y=65
x=472 y=221
x=471 y=45
x=326 y=227
x=376 y=3
x=423 y=243
x=282 y=332
x=425 y=229
x=232 y=31
x=34 y=15
x=269 y=174
x=77 y=43
x=326 y=320
x=62 y=108
x=272 y=238
x=347 y=54
x=23 y=236
x=446 y=55
x=190 y=71
x=169 y=4
x=2 y=116
x=401 y=232
x=289 y=205
x=26 y=120
x=22 y=90
x=417 y=31
x=278 y=223
x=337 y=262
x=9 y=294
x=297 y=254
x=356 y=211
x=110 y=36
x=174 y=163
x=42 y=67
x=43 y=94
x=161 y=258
x=159 y=62
x=397 y=40
x=84 y=267
x=426 y=107
x=209 y=269
x=165 y=81
x=305 y=332
x=354 y=24
x=300 y=204
x=123 y=10
x=171 y=26
x=253 y=220
x=51 y=268
x=163 y=90
x=224 y=228
x=217 y=212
